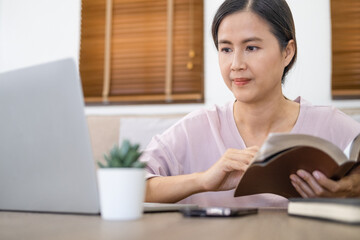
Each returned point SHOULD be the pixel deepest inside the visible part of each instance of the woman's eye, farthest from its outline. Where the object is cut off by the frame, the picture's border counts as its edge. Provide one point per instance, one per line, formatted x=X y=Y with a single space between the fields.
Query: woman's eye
x=226 y=50
x=251 y=48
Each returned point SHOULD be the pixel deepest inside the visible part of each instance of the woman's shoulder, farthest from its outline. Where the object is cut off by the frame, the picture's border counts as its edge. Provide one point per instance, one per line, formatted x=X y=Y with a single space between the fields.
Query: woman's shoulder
x=210 y=114
x=322 y=112
x=202 y=122
x=195 y=129
x=327 y=122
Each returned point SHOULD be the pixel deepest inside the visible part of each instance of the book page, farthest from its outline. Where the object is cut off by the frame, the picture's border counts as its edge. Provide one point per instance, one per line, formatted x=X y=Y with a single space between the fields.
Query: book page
x=355 y=149
x=347 y=151
x=277 y=142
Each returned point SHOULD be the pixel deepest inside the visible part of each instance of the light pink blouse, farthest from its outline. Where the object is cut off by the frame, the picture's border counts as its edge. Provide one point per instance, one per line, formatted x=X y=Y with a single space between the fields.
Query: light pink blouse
x=198 y=140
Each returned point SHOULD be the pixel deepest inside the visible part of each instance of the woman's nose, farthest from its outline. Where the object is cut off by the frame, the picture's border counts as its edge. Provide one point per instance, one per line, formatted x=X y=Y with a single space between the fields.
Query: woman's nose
x=238 y=62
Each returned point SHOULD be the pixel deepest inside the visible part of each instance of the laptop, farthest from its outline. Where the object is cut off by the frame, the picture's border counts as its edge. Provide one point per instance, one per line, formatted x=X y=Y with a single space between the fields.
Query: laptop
x=46 y=162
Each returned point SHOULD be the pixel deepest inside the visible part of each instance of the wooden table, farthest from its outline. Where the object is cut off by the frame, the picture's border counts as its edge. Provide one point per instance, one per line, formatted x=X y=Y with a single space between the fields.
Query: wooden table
x=267 y=224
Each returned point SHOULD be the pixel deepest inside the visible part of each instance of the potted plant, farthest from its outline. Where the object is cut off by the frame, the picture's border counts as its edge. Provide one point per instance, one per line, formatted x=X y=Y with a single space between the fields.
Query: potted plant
x=121 y=183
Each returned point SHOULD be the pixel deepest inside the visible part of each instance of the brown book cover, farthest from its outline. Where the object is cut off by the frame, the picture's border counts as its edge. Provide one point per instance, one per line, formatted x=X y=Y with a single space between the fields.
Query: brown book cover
x=283 y=154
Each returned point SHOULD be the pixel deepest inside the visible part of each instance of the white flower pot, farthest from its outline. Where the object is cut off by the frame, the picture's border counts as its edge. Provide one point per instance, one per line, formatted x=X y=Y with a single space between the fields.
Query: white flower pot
x=122 y=192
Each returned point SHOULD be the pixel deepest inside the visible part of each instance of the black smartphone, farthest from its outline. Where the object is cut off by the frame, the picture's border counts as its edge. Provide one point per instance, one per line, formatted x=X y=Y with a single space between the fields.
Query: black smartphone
x=217 y=212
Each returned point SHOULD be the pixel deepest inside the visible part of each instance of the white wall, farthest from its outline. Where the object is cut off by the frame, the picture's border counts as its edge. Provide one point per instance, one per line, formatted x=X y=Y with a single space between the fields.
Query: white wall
x=311 y=77
x=2 y=32
x=37 y=31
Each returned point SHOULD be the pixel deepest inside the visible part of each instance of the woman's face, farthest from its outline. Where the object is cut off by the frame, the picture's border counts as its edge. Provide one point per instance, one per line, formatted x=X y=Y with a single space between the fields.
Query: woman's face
x=250 y=58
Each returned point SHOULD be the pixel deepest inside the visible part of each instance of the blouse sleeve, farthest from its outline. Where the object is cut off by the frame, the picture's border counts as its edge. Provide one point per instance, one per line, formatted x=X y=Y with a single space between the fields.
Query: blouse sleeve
x=163 y=155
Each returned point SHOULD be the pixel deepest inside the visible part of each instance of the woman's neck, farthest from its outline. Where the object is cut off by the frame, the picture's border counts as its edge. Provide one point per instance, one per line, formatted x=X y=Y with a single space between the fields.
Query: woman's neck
x=256 y=120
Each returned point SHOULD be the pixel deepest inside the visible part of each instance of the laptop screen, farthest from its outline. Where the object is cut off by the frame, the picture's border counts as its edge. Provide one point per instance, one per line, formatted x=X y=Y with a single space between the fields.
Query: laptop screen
x=46 y=161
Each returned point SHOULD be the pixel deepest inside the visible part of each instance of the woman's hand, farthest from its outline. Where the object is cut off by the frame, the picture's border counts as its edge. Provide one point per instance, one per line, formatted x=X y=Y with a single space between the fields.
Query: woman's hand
x=227 y=171
x=318 y=185
x=223 y=175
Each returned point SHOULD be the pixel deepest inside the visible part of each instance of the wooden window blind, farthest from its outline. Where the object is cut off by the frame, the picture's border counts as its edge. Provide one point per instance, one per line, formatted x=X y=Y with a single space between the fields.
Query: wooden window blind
x=141 y=51
x=345 y=17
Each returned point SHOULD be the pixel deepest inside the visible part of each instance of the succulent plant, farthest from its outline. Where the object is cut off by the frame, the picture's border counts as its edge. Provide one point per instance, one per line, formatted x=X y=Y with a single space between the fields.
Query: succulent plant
x=126 y=156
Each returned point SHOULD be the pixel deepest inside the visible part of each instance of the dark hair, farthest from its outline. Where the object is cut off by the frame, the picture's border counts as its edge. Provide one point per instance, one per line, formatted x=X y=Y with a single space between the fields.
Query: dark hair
x=275 y=12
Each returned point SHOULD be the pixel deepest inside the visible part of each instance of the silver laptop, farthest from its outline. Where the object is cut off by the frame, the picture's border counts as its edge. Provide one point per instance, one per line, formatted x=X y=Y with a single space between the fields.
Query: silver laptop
x=46 y=163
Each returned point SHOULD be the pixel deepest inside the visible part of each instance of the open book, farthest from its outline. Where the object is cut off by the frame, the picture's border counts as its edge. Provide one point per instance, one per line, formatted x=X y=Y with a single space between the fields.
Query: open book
x=282 y=154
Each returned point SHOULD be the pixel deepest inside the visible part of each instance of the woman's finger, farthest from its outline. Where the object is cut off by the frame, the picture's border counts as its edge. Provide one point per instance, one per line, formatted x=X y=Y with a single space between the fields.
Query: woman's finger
x=331 y=185
x=312 y=183
x=302 y=185
x=233 y=165
x=238 y=155
x=299 y=190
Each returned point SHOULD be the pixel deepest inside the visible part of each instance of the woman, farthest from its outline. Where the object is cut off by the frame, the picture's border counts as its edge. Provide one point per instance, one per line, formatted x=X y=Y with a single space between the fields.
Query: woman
x=202 y=157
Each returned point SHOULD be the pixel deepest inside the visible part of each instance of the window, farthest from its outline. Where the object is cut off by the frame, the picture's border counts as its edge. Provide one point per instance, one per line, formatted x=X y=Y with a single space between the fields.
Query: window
x=345 y=17
x=141 y=51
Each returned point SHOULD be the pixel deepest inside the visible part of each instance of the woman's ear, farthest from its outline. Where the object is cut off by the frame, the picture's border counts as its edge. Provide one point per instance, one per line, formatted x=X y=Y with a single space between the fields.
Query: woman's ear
x=289 y=52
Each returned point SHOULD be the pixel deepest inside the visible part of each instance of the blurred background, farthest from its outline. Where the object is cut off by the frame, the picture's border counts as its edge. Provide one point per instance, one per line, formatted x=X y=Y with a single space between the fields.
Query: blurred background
x=37 y=31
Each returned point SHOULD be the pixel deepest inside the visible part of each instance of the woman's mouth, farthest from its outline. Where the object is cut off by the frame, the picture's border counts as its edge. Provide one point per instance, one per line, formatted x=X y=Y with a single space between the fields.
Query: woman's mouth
x=241 y=81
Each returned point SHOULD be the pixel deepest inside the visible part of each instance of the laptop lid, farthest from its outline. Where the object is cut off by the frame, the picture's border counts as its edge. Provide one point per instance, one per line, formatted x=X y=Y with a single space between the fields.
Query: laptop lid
x=46 y=162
